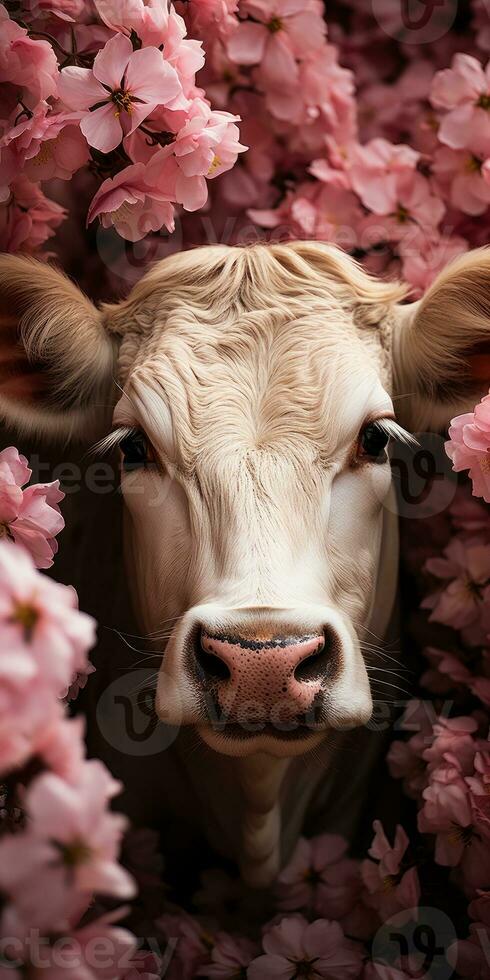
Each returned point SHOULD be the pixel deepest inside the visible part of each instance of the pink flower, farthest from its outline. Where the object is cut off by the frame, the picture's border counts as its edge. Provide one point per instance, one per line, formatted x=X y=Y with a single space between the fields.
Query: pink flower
x=30 y=517
x=208 y=144
x=461 y=603
x=320 y=878
x=452 y=741
x=39 y=521
x=469 y=447
x=40 y=621
x=230 y=957
x=390 y=887
x=470 y=956
x=379 y=171
x=26 y=712
x=132 y=203
x=121 y=90
x=456 y=810
x=447 y=813
x=44 y=146
x=148 y=18
x=97 y=951
x=459 y=177
x=29 y=64
x=295 y=947
x=184 y=54
x=425 y=254
x=59 y=744
x=14 y=473
x=68 y=850
x=464 y=92
x=75 y=818
x=28 y=218
x=278 y=33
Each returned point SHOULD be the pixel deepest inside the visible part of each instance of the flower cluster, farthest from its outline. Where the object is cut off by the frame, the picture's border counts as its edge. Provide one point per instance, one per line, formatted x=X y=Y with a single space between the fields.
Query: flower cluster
x=108 y=87
x=59 y=840
x=379 y=147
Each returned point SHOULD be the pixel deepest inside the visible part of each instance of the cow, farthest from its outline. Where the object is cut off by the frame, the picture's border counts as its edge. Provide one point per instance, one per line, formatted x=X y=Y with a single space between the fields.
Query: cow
x=254 y=394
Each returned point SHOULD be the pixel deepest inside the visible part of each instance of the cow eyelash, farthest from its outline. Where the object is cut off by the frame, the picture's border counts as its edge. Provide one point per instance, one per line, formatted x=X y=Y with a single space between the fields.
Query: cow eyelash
x=395 y=431
x=109 y=442
x=135 y=447
x=374 y=438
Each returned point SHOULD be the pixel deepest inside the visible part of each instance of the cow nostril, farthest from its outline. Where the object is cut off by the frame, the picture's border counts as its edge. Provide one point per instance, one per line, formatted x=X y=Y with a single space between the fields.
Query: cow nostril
x=211 y=666
x=318 y=663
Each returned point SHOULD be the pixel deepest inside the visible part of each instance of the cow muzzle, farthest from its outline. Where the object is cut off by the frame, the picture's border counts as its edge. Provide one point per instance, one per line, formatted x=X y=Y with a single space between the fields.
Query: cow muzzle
x=264 y=679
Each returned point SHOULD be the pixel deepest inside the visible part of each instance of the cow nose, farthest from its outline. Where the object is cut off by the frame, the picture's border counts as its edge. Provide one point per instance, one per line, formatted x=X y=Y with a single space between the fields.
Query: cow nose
x=275 y=673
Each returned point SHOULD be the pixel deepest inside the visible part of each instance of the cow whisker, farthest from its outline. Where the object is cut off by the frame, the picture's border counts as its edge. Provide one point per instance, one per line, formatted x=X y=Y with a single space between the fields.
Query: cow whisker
x=385 y=656
x=395 y=686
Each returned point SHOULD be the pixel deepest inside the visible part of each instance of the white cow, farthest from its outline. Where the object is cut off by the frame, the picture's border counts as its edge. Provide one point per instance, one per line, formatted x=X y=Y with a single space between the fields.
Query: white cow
x=253 y=393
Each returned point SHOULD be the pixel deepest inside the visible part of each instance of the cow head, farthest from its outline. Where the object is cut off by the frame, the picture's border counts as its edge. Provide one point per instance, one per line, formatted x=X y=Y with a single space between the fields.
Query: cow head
x=253 y=404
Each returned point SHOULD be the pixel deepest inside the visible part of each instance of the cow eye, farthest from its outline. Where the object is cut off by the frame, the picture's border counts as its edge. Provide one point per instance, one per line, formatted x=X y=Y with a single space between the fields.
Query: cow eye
x=136 y=451
x=372 y=442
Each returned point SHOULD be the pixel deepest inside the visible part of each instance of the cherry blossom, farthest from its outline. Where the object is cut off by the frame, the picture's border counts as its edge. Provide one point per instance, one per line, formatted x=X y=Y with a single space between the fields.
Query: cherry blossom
x=459 y=177
x=45 y=145
x=464 y=92
x=148 y=19
x=276 y=34
x=297 y=947
x=461 y=604
x=320 y=878
x=132 y=203
x=86 y=836
x=469 y=447
x=30 y=517
x=39 y=620
x=379 y=171
x=391 y=886
x=28 y=218
x=25 y=62
x=120 y=91
x=230 y=957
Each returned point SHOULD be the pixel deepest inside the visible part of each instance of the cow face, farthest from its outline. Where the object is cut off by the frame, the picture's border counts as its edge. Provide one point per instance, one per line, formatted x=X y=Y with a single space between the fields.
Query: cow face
x=253 y=422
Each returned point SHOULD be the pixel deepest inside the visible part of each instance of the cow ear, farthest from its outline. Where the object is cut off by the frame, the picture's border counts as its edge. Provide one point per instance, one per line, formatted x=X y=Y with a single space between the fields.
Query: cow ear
x=441 y=346
x=56 y=358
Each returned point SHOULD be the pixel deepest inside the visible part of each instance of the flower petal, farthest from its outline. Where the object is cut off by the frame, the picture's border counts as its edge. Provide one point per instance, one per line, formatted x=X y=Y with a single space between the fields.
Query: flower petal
x=111 y=63
x=151 y=78
x=79 y=89
x=102 y=128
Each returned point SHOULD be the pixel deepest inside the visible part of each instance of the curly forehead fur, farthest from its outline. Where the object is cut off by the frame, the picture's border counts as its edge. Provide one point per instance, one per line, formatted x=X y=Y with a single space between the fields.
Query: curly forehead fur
x=264 y=336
